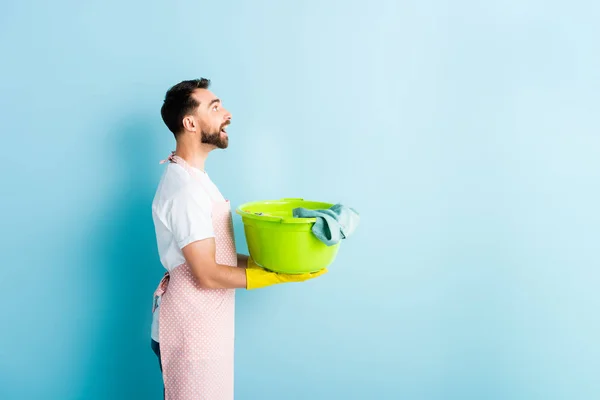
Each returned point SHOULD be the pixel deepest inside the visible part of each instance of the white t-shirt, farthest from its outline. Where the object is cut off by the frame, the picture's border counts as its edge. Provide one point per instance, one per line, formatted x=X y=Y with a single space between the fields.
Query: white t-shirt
x=182 y=214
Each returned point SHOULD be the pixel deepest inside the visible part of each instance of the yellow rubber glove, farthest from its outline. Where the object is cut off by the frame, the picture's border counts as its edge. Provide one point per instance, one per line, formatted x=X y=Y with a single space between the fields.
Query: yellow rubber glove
x=258 y=277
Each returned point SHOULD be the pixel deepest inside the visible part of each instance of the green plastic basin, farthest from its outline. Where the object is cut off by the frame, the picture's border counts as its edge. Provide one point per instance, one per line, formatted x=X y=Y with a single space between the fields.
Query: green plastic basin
x=279 y=242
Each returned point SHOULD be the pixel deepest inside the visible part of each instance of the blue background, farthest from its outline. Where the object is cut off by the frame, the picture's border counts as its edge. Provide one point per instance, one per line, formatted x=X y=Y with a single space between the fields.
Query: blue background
x=466 y=134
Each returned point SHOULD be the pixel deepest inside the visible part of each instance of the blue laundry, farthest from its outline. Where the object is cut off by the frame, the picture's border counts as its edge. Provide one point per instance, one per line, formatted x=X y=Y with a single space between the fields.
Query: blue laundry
x=333 y=224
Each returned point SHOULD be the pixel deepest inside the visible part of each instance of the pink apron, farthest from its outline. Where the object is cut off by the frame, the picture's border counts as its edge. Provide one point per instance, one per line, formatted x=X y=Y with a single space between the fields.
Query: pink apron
x=196 y=325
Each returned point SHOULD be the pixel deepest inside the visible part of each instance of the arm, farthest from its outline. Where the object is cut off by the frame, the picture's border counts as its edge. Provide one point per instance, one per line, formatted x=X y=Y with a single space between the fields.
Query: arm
x=188 y=215
x=200 y=255
x=190 y=222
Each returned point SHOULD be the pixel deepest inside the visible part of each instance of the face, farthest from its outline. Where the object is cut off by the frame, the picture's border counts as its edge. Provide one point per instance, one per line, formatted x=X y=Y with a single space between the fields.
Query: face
x=210 y=119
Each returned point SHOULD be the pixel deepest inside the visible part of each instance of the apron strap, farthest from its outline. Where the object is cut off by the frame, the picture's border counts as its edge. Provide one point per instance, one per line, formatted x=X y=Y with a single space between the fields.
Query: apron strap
x=171 y=158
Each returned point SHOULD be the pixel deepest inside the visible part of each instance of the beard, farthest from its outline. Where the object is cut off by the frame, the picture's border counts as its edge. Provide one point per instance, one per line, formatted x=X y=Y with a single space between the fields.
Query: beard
x=215 y=138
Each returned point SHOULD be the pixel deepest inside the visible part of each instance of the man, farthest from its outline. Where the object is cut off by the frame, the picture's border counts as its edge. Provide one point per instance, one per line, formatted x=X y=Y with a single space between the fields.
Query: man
x=193 y=312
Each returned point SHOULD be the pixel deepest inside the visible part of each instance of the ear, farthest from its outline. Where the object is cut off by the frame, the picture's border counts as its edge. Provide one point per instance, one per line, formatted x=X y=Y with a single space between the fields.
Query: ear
x=189 y=124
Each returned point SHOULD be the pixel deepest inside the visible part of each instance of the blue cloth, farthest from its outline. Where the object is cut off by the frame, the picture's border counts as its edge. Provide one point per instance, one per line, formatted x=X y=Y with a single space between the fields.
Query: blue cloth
x=332 y=224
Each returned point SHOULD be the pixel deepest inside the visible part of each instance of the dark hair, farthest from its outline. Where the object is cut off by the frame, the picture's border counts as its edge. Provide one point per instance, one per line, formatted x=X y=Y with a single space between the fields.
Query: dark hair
x=179 y=102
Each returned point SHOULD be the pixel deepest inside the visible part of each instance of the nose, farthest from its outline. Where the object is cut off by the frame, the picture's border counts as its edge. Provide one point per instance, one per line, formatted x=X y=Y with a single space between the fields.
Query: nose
x=227 y=115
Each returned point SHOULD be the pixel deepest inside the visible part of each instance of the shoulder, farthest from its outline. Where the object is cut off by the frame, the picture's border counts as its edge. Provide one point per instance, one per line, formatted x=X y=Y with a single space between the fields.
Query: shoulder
x=177 y=186
x=173 y=179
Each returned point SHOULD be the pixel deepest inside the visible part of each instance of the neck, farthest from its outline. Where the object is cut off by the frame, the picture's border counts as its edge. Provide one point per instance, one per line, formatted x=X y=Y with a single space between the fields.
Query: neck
x=194 y=153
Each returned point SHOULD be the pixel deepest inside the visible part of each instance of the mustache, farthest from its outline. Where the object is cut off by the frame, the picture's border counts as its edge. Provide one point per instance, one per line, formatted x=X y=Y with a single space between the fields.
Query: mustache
x=225 y=124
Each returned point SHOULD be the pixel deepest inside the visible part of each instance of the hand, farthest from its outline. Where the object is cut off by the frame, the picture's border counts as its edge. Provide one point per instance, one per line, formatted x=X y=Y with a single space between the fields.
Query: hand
x=258 y=277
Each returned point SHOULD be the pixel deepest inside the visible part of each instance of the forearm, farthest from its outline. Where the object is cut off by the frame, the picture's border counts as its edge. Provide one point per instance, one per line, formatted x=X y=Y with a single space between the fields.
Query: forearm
x=209 y=274
x=223 y=277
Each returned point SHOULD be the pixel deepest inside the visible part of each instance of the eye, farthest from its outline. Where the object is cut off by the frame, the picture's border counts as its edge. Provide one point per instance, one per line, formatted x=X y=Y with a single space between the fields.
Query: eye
x=216 y=107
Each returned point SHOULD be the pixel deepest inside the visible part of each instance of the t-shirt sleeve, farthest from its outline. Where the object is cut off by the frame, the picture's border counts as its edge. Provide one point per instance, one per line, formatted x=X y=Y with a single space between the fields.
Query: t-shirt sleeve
x=188 y=216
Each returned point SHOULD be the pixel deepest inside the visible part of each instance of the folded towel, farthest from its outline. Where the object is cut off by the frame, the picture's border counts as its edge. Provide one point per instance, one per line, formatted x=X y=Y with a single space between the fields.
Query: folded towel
x=333 y=224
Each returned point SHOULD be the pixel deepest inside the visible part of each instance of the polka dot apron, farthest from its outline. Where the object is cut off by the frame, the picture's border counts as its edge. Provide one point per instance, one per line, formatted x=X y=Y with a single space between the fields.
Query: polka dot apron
x=196 y=325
